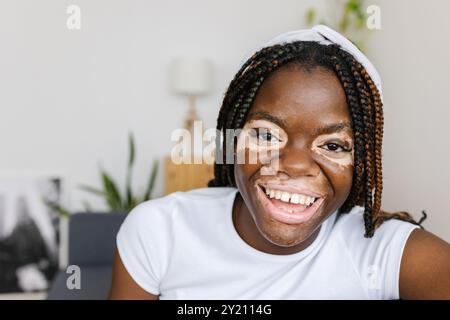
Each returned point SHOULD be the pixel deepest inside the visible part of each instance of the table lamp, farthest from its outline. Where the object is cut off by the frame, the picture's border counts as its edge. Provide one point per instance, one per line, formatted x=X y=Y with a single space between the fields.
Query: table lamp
x=191 y=77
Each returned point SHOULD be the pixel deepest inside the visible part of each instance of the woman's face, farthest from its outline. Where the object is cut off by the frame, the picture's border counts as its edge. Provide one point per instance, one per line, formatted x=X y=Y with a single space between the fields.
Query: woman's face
x=299 y=132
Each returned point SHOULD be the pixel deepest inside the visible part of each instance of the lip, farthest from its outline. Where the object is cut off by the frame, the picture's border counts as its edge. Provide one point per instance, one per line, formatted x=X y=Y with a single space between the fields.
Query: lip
x=287 y=217
x=291 y=189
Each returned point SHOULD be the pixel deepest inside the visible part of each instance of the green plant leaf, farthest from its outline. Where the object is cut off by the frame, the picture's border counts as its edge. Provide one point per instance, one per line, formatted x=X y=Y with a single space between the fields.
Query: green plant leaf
x=353 y=5
x=361 y=19
x=129 y=198
x=151 y=182
x=310 y=16
x=62 y=212
x=133 y=203
x=112 y=193
x=93 y=190
x=131 y=150
x=131 y=158
x=345 y=21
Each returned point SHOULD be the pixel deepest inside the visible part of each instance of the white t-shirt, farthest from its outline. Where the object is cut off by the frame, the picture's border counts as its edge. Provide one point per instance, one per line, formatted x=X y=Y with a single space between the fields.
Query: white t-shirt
x=185 y=246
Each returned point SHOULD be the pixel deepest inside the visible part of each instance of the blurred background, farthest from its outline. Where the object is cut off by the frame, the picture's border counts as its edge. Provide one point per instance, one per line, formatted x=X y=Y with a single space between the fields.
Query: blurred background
x=90 y=89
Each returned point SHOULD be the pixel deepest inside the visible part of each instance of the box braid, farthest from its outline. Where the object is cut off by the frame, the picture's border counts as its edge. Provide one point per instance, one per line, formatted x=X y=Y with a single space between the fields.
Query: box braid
x=365 y=108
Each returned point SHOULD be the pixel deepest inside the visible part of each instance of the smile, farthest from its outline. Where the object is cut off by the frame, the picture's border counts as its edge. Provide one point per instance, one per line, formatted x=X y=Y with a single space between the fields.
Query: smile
x=295 y=198
x=288 y=205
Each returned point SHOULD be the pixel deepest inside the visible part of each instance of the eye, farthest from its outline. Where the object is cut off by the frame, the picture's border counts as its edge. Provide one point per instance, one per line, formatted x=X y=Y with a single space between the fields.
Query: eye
x=334 y=147
x=264 y=135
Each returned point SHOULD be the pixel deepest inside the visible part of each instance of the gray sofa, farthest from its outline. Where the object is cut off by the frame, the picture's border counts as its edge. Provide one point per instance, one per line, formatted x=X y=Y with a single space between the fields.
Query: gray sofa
x=92 y=241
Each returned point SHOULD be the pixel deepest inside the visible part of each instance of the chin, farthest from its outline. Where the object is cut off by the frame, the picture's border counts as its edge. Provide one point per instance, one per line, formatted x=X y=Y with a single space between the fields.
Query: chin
x=282 y=226
x=285 y=235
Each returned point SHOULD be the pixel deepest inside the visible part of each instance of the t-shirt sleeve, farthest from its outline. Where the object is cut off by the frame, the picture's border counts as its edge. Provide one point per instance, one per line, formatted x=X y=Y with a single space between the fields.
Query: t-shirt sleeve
x=378 y=259
x=142 y=243
x=397 y=238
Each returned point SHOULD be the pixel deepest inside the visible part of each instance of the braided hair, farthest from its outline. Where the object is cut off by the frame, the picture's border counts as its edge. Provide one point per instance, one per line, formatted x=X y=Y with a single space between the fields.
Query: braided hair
x=365 y=108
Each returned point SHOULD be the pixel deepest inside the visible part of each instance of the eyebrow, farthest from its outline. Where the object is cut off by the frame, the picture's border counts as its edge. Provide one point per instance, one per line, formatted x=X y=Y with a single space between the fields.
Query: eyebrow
x=333 y=127
x=326 y=129
x=267 y=116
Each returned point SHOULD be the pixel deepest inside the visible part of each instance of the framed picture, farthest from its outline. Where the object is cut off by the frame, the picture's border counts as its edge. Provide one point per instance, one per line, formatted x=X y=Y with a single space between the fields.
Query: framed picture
x=28 y=233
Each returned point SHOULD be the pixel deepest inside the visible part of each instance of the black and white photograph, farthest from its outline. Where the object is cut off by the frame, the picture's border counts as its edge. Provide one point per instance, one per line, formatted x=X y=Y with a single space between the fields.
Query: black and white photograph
x=28 y=233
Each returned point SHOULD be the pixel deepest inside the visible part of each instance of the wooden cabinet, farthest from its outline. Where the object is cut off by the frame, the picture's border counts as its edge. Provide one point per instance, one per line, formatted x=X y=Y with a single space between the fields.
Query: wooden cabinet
x=183 y=177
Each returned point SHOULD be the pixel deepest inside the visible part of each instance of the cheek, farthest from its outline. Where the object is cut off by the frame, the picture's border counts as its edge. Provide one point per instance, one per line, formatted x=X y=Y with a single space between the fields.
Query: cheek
x=244 y=170
x=247 y=173
x=344 y=162
x=339 y=173
x=253 y=158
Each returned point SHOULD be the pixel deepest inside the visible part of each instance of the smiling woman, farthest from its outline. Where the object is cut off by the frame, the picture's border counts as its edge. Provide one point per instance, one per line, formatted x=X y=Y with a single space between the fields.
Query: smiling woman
x=302 y=221
x=312 y=162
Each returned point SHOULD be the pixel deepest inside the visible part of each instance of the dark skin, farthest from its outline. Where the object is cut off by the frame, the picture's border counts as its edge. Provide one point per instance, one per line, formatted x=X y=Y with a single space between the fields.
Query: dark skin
x=321 y=101
x=318 y=97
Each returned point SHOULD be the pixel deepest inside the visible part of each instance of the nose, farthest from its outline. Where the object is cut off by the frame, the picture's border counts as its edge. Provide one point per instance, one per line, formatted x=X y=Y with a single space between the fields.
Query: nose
x=298 y=161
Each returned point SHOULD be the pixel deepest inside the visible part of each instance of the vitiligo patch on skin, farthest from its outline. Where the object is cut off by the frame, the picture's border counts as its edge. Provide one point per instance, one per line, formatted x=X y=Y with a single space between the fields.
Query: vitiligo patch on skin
x=345 y=160
x=271 y=169
x=247 y=138
x=259 y=151
x=268 y=153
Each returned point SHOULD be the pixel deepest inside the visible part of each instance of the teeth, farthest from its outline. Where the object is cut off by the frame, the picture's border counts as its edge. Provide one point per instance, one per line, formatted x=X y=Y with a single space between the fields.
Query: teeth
x=294 y=198
x=272 y=193
x=308 y=201
x=302 y=199
x=285 y=196
x=278 y=194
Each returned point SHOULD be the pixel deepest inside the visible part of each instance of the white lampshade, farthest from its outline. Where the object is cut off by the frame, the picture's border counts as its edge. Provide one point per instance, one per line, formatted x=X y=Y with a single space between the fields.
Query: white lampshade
x=191 y=76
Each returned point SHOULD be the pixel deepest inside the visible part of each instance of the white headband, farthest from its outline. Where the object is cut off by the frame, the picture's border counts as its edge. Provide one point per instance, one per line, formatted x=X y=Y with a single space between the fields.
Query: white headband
x=325 y=35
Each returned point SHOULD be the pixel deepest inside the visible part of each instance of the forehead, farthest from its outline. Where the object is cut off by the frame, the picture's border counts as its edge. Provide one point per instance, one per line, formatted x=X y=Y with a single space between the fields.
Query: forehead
x=302 y=98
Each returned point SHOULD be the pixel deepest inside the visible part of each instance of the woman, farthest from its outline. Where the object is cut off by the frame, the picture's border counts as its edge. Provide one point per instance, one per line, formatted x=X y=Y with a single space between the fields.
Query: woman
x=304 y=220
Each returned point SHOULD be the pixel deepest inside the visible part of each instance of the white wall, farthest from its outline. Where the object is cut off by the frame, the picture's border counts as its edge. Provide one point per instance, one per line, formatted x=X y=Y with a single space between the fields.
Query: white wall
x=68 y=98
x=412 y=54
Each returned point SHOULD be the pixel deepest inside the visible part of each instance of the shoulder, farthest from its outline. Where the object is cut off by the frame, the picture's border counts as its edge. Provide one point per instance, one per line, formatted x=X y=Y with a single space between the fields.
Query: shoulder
x=376 y=259
x=425 y=268
x=351 y=226
x=389 y=238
